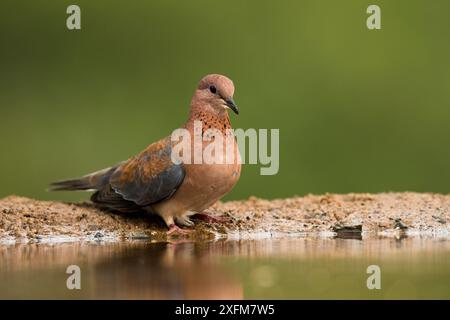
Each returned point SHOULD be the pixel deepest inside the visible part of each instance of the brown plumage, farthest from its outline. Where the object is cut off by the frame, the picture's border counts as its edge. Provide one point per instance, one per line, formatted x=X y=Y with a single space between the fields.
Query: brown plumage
x=151 y=181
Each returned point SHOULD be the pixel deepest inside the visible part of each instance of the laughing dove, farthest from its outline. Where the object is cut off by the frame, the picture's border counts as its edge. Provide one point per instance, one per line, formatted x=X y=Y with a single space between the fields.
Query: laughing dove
x=175 y=190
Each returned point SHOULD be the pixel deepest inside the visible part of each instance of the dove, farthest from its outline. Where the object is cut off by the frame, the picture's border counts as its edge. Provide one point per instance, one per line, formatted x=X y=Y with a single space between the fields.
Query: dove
x=175 y=190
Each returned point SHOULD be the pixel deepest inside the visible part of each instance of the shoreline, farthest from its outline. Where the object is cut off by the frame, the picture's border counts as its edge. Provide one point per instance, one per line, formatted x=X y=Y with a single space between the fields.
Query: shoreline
x=356 y=216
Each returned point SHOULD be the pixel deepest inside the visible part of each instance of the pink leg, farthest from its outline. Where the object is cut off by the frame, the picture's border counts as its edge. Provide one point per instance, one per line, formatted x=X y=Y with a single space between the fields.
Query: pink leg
x=174 y=229
x=211 y=219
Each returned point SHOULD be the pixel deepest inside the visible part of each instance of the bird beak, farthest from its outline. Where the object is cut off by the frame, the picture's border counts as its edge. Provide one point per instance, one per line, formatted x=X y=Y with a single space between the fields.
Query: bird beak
x=230 y=103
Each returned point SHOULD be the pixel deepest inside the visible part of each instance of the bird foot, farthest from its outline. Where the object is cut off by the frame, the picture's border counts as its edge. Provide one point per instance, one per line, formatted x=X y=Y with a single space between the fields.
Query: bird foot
x=211 y=219
x=176 y=230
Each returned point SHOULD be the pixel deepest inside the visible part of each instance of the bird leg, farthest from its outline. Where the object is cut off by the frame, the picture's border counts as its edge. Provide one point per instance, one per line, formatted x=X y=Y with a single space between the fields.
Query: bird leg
x=174 y=229
x=211 y=219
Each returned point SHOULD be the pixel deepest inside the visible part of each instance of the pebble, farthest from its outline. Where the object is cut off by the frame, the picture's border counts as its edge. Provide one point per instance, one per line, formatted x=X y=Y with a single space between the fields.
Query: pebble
x=399 y=224
x=98 y=235
x=139 y=236
x=439 y=219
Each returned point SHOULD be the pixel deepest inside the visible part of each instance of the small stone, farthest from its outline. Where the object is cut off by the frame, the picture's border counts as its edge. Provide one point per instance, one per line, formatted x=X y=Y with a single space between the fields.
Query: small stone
x=340 y=228
x=140 y=236
x=399 y=224
x=348 y=232
x=98 y=235
x=440 y=220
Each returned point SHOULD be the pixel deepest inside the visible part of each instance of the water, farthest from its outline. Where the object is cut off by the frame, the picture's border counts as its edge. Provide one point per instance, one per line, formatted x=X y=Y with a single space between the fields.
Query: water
x=276 y=268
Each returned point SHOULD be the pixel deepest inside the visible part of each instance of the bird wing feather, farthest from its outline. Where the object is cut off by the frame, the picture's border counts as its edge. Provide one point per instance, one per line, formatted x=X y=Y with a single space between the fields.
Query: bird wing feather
x=149 y=177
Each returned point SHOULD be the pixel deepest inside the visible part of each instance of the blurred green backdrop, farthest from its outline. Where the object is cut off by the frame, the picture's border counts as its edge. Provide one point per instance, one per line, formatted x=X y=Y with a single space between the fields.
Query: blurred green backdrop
x=358 y=110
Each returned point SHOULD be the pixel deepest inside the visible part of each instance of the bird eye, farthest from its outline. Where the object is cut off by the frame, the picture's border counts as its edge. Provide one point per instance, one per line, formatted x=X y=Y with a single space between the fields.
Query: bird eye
x=212 y=89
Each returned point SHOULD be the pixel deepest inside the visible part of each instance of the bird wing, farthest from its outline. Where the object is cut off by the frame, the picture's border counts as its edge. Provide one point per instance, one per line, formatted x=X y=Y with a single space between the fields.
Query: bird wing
x=149 y=177
x=109 y=199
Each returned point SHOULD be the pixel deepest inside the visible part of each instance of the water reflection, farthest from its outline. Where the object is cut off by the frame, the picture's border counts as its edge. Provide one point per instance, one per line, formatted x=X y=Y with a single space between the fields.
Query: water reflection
x=276 y=268
x=165 y=271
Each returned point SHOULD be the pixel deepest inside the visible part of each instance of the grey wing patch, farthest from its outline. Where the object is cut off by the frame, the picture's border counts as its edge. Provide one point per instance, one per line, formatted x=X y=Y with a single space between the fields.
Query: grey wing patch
x=149 y=177
x=107 y=198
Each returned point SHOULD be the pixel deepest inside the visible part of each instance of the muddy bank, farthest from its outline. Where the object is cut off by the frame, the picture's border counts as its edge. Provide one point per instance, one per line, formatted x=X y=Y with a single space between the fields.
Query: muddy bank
x=23 y=219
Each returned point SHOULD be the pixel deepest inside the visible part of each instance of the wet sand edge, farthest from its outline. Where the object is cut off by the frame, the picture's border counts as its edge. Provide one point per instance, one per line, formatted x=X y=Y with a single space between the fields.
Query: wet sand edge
x=350 y=215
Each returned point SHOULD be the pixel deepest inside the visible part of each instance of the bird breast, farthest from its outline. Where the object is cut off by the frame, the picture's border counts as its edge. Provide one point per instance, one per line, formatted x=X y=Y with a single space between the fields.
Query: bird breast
x=207 y=183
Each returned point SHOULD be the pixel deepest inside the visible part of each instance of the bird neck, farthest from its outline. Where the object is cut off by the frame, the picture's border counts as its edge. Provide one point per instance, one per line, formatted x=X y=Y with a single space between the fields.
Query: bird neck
x=210 y=118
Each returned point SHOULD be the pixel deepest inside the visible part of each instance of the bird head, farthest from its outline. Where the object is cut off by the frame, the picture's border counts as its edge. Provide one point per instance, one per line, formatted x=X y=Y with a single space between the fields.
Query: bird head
x=217 y=91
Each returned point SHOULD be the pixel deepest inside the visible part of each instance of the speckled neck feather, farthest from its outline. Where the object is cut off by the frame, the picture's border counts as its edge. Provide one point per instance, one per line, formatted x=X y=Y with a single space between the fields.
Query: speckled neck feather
x=210 y=119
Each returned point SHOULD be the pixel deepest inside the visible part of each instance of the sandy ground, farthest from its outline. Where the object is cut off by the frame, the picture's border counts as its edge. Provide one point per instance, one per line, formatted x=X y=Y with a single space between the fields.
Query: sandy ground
x=351 y=215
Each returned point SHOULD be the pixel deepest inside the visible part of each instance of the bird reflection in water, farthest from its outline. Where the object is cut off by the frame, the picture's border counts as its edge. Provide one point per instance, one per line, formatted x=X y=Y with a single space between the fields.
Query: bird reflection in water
x=164 y=271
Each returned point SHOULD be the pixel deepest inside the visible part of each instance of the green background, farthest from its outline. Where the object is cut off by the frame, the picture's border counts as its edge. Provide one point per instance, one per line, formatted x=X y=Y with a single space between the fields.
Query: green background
x=358 y=110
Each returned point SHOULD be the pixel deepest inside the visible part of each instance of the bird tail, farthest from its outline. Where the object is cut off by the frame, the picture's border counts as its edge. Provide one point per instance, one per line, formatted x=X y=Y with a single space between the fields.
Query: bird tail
x=82 y=183
x=93 y=181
